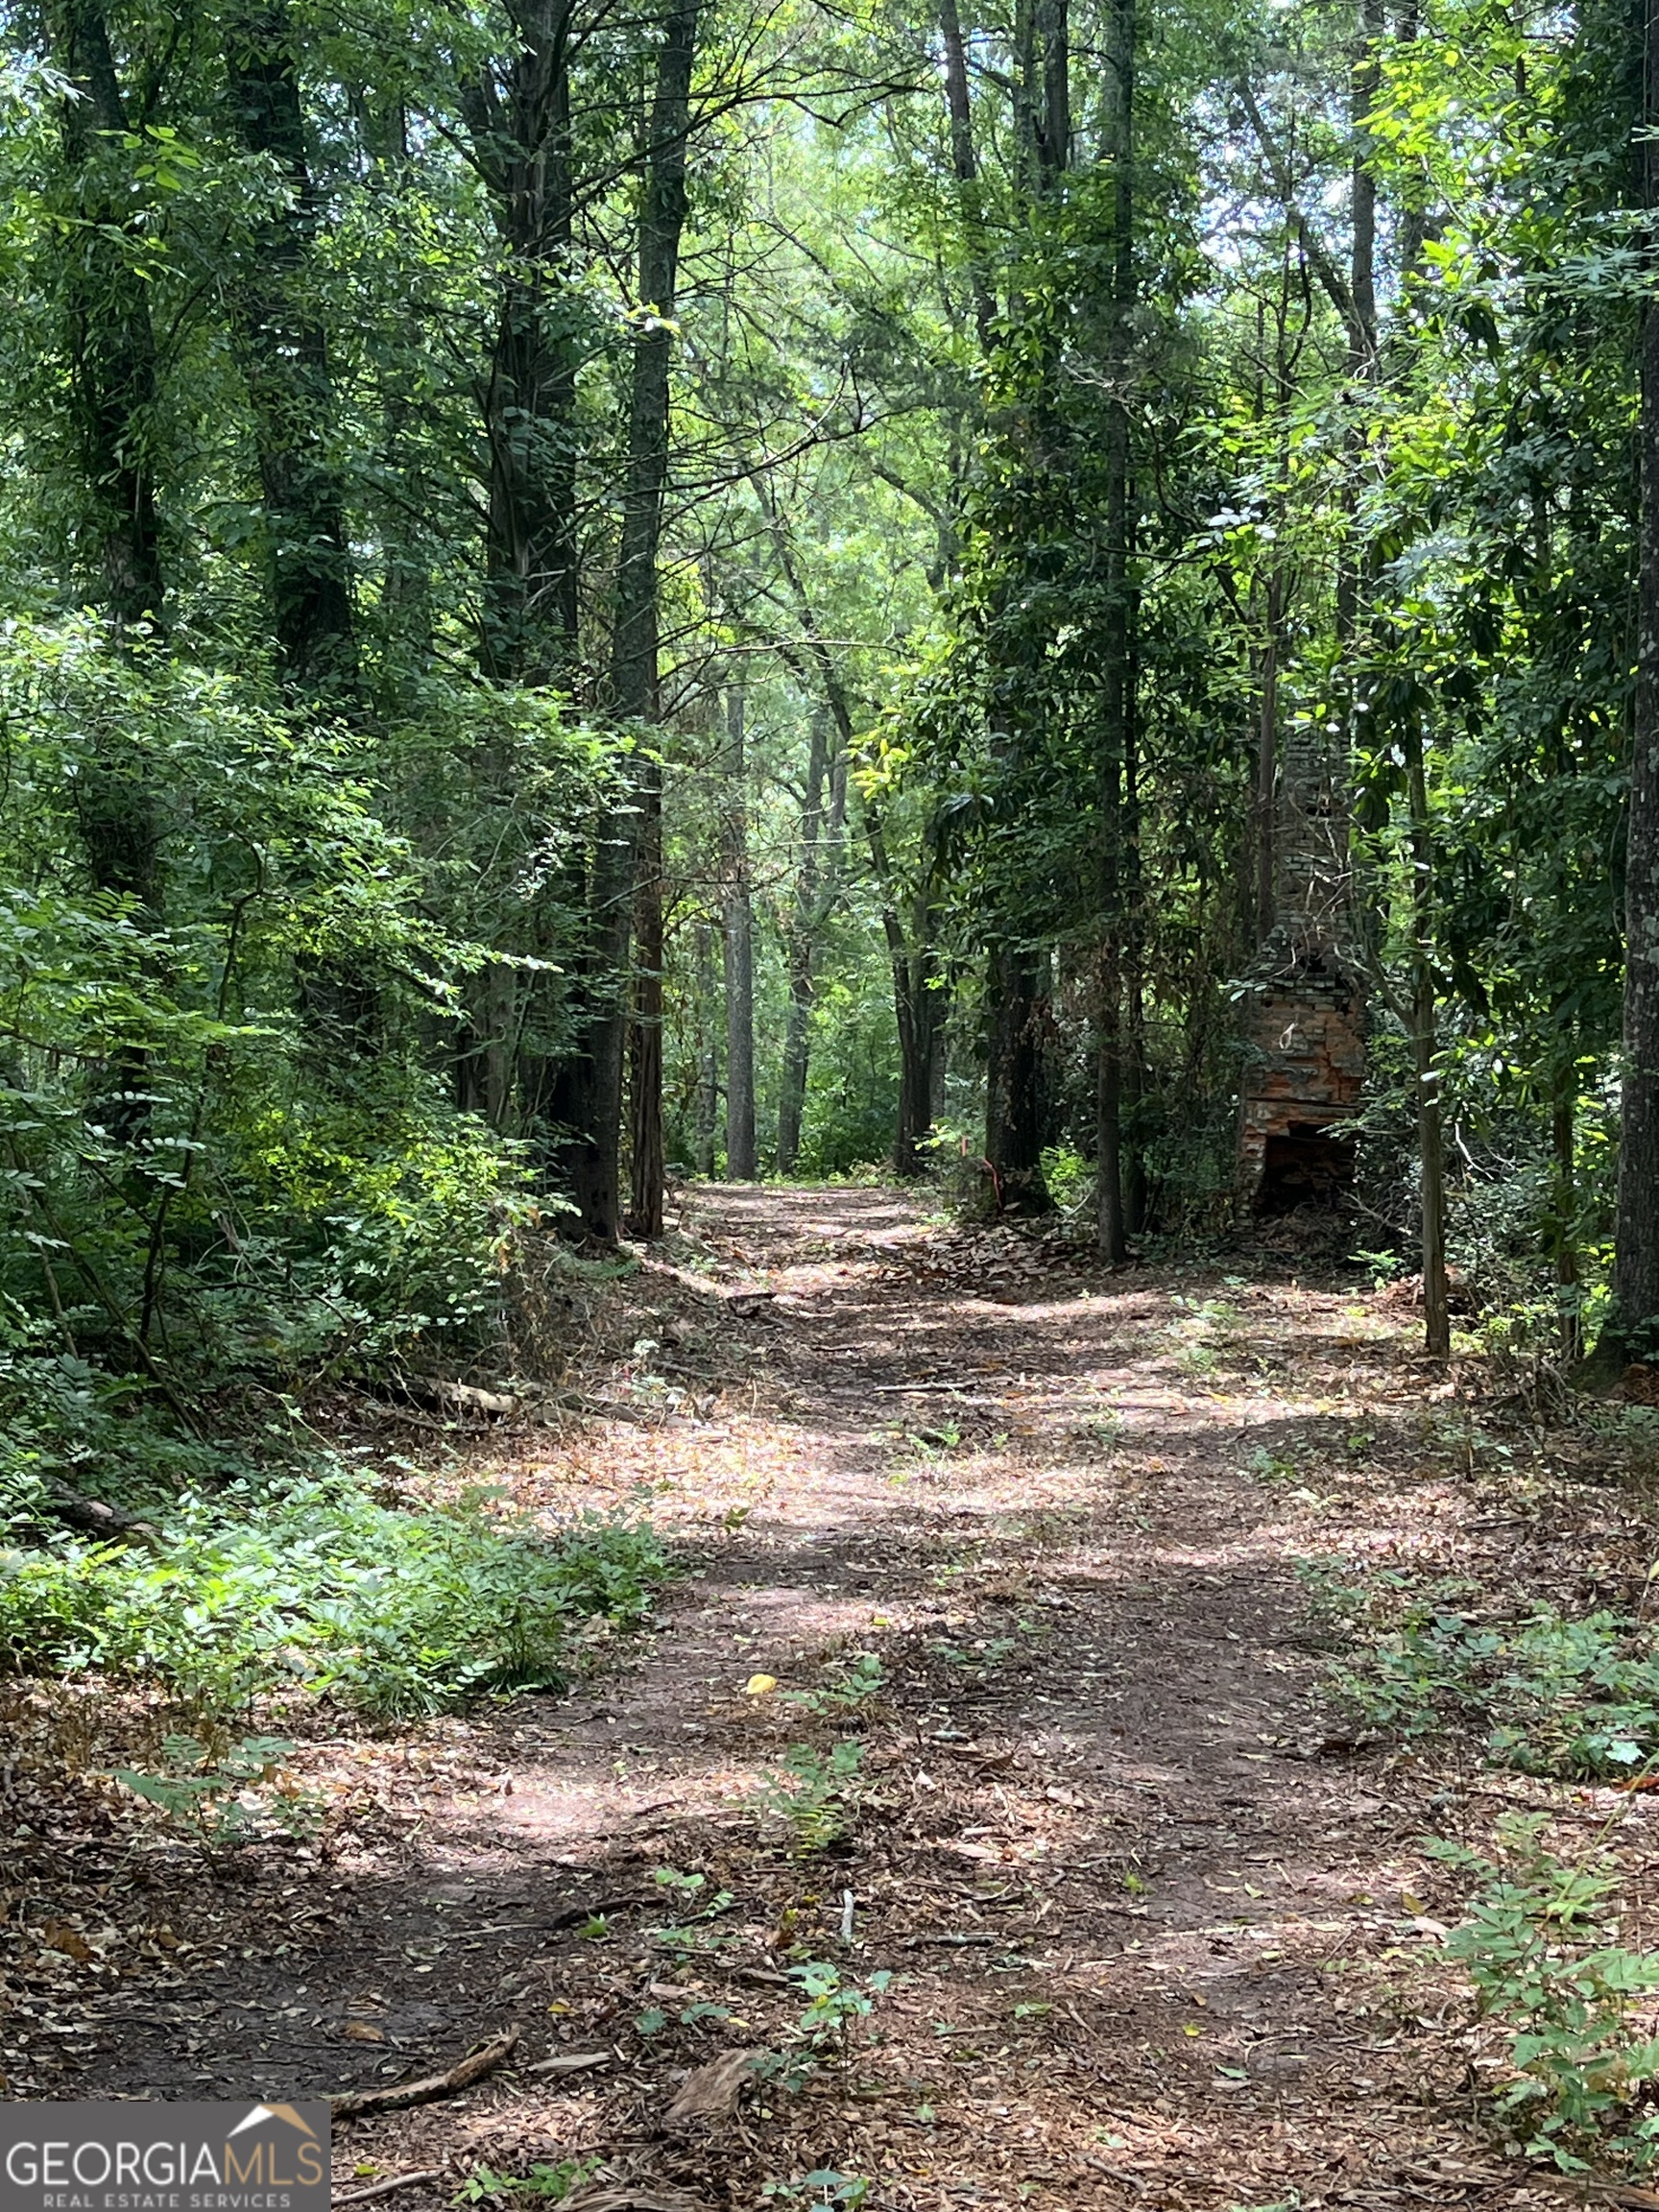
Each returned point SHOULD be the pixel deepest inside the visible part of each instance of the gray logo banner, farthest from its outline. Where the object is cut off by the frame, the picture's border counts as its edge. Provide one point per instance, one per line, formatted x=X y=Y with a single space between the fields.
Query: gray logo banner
x=246 y=2157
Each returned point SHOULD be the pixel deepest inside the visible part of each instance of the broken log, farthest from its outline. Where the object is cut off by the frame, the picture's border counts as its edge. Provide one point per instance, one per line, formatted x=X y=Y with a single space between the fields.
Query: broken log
x=94 y=1518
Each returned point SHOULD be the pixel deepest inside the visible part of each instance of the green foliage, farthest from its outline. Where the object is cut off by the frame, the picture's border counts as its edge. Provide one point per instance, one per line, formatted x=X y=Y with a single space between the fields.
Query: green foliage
x=816 y=1794
x=236 y=1798
x=823 y=2186
x=544 y=2183
x=836 y=2007
x=316 y=1587
x=853 y=1684
x=216 y=1153
x=692 y=1932
x=1559 y=1695
x=1068 y=1179
x=1541 y=1950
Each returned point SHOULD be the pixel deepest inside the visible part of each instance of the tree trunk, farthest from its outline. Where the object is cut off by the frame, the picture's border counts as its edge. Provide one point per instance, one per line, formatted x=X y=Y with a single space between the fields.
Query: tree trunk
x=285 y=361
x=111 y=389
x=814 y=896
x=1117 y=705
x=707 y=1052
x=1268 y=764
x=742 y=1165
x=915 y=1003
x=1014 y=1080
x=1132 y=1164
x=112 y=357
x=965 y=163
x=1425 y=1041
x=590 y=1085
x=1564 y=1202
x=647 y=1165
x=1635 y=1324
x=521 y=142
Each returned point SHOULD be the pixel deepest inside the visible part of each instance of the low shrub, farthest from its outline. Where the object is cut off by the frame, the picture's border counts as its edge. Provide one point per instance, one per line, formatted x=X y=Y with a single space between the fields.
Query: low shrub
x=1572 y=1697
x=1541 y=1948
x=318 y=1587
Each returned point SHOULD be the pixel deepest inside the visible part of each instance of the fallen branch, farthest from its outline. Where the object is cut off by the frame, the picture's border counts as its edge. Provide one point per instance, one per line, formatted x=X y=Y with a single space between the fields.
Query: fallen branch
x=573 y=2062
x=472 y=2068
x=386 y=2187
x=96 y=1519
x=444 y=1396
x=626 y=2196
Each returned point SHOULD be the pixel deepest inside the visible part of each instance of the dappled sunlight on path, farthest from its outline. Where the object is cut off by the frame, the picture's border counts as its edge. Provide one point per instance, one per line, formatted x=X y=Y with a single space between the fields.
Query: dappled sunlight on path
x=1143 y=1899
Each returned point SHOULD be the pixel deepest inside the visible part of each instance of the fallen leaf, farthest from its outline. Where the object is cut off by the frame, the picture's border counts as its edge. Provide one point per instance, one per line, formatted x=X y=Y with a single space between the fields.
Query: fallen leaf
x=69 y=1941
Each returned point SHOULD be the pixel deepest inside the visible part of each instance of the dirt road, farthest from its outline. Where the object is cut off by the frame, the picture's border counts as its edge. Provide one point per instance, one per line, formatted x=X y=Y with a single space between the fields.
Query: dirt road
x=1150 y=1917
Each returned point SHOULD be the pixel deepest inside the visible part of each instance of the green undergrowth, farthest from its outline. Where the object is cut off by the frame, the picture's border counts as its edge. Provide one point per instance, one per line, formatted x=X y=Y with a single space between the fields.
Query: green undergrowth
x=1562 y=1697
x=1543 y=1948
x=314 y=1586
x=1559 y=1695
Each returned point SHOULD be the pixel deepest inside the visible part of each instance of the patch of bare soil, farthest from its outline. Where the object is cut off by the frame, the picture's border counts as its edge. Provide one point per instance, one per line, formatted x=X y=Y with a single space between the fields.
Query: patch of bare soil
x=1152 y=1915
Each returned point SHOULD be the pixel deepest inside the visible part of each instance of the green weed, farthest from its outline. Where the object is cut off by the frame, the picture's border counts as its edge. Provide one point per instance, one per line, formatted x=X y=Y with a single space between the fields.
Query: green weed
x=1541 y=1950
x=853 y=1684
x=550 y=2184
x=237 y=1799
x=816 y=1794
x=823 y=2186
x=318 y=1587
x=1560 y=1696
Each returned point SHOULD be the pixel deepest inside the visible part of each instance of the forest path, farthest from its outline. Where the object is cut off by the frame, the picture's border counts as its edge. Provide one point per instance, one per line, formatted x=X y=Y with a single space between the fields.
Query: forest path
x=1131 y=1886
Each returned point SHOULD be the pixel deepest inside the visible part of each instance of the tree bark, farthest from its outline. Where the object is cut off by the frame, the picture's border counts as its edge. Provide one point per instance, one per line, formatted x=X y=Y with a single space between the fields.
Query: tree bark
x=285 y=362
x=111 y=386
x=521 y=143
x=1268 y=764
x=1014 y=1080
x=1564 y=1202
x=1424 y=1042
x=590 y=1082
x=707 y=1052
x=742 y=1165
x=915 y=1001
x=647 y=1163
x=1117 y=704
x=814 y=896
x=965 y=163
x=110 y=346
x=1635 y=1323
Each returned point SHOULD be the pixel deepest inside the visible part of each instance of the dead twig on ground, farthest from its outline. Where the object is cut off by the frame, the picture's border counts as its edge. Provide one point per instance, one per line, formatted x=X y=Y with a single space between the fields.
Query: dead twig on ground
x=393 y=2181
x=426 y=2091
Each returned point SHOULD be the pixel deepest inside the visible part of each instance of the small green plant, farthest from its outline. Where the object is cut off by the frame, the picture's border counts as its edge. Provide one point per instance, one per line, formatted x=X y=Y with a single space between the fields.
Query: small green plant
x=853 y=1684
x=1069 y=1178
x=1382 y=1266
x=549 y=2184
x=816 y=1794
x=1541 y=1950
x=823 y=2186
x=835 y=2006
x=237 y=1799
x=1562 y=1696
x=1265 y=1466
x=691 y=1934
x=316 y=1585
x=926 y=1447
